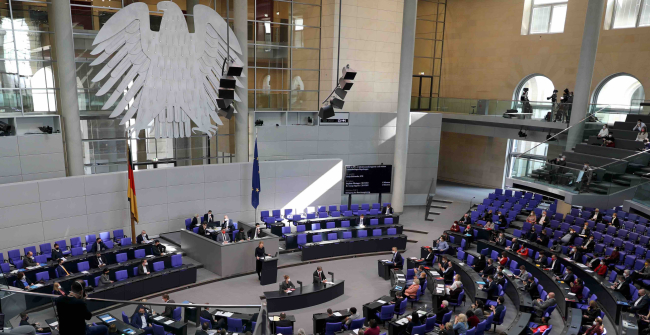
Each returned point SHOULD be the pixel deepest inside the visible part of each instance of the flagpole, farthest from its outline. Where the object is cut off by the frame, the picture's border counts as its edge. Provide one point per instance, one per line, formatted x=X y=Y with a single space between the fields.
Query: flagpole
x=255 y=218
x=128 y=160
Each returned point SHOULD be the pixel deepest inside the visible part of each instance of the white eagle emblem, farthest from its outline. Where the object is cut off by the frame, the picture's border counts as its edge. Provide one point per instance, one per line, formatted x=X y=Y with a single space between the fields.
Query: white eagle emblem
x=170 y=77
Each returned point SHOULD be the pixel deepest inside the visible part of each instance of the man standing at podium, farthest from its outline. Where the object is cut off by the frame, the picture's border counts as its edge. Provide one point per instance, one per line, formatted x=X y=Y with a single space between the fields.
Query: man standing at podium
x=319 y=276
x=259 y=259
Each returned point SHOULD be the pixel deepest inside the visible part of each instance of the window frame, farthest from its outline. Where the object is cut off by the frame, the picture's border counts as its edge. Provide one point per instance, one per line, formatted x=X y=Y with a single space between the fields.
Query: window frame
x=639 y=14
x=550 y=17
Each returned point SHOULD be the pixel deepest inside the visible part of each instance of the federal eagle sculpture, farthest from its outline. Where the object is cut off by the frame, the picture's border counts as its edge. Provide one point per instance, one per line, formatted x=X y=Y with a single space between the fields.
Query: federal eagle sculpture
x=169 y=77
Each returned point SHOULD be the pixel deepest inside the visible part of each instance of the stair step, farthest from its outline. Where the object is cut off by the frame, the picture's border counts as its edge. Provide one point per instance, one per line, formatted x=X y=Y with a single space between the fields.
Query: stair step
x=443 y=201
x=434 y=213
x=621 y=182
x=436 y=206
x=427 y=219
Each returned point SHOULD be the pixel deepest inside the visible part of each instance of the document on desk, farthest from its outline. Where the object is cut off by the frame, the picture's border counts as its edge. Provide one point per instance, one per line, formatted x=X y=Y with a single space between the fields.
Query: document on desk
x=107 y=318
x=54 y=324
x=402 y=322
x=336 y=314
x=268 y=257
x=274 y=318
x=356 y=331
x=169 y=322
x=381 y=301
x=150 y=256
x=85 y=272
x=158 y=318
x=224 y=314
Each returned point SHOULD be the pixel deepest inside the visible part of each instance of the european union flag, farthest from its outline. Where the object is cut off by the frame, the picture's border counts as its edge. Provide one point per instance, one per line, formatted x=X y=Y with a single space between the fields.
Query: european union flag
x=255 y=196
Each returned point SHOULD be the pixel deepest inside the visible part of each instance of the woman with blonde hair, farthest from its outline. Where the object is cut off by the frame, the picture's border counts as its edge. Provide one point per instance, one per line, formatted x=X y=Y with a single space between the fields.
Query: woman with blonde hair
x=412 y=290
x=532 y=217
x=460 y=324
x=57 y=290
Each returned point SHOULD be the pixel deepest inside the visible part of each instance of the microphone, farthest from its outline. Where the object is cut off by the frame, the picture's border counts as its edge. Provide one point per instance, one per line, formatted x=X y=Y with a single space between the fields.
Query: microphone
x=299 y=283
x=470 y=202
x=331 y=274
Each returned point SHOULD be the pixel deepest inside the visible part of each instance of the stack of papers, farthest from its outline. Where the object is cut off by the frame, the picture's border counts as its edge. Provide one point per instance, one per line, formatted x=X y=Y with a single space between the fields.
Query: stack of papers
x=381 y=301
x=129 y=331
x=54 y=324
x=85 y=272
x=356 y=331
x=107 y=318
x=158 y=318
x=336 y=314
x=413 y=257
x=224 y=314
x=169 y=322
x=274 y=318
x=150 y=256
x=402 y=321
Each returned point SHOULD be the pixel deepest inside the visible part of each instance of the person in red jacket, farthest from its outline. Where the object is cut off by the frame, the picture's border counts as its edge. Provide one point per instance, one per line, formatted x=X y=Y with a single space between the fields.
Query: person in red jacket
x=596 y=329
x=601 y=269
x=503 y=259
x=455 y=227
x=576 y=287
x=523 y=251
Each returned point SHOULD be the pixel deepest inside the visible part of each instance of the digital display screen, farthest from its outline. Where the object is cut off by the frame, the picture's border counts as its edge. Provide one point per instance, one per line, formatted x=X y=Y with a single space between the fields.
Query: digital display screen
x=367 y=179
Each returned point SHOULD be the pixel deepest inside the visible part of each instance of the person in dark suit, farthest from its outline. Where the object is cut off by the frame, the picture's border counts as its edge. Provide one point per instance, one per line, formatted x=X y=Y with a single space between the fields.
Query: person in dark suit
x=29 y=260
x=442 y=310
x=491 y=288
x=596 y=217
x=205 y=313
x=448 y=274
x=498 y=309
x=169 y=310
x=531 y=236
x=615 y=221
x=388 y=210
x=22 y=281
x=142 y=268
x=622 y=284
x=241 y=236
x=397 y=302
x=98 y=246
x=428 y=260
x=465 y=220
x=287 y=285
x=203 y=231
x=331 y=317
x=591 y=313
x=57 y=252
x=593 y=263
x=397 y=260
x=143 y=238
x=587 y=246
x=319 y=276
x=541 y=259
x=203 y=330
x=196 y=221
x=414 y=320
x=142 y=320
x=73 y=313
x=223 y=237
x=283 y=322
x=542 y=239
x=480 y=264
x=568 y=277
x=489 y=269
x=98 y=261
x=515 y=245
x=259 y=259
x=208 y=217
x=500 y=280
x=500 y=240
x=256 y=232
x=158 y=249
x=531 y=288
x=640 y=305
x=585 y=230
x=555 y=265
x=61 y=271
x=227 y=224
x=543 y=219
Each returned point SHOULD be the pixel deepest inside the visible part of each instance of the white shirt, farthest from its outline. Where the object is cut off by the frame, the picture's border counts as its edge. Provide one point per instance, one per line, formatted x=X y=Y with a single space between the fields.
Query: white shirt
x=542 y=219
x=99 y=260
x=144 y=238
x=144 y=321
x=595 y=216
x=146 y=270
x=553 y=264
x=603 y=132
x=638 y=300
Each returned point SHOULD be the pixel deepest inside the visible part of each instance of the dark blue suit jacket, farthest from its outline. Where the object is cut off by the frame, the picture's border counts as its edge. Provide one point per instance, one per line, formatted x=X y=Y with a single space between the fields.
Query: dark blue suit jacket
x=136 y=320
x=399 y=261
x=60 y=272
x=492 y=290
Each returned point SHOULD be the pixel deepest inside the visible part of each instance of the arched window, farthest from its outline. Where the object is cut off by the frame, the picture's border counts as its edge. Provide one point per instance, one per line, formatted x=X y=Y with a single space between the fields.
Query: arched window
x=539 y=88
x=619 y=91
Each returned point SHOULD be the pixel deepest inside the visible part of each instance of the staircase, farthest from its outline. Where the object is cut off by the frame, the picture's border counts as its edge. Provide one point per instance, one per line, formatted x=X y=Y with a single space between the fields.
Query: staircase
x=433 y=203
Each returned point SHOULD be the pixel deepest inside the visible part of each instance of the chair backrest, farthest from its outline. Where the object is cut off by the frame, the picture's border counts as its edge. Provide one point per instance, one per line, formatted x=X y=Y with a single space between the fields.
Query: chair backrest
x=418 y=330
x=323 y=215
x=376 y=232
x=121 y=275
x=461 y=255
x=430 y=323
x=202 y=320
x=374 y=222
x=125 y=319
x=388 y=221
x=44 y=276
x=362 y=233
x=315 y=226
x=345 y=223
x=134 y=271
x=5 y=267
x=284 y=330
x=140 y=253
x=177 y=261
x=332 y=236
x=41 y=259
x=45 y=248
x=77 y=251
x=316 y=238
x=387 y=311
x=235 y=325
x=264 y=214
x=343 y=208
x=109 y=244
x=332 y=327
x=446 y=317
x=470 y=260
x=158 y=266
x=90 y=239
x=286 y=230
x=302 y=239
x=176 y=313
x=392 y=231
x=330 y=225
x=28 y=249
x=127 y=241
x=277 y=213
x=121 y=257
x=300 y=228
x=195 y=230
x=97 y=281
x=358 y=323
x=83 y=266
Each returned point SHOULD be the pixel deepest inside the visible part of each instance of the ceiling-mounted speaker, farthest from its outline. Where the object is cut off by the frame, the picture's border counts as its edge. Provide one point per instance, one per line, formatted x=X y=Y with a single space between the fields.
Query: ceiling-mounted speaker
x=345 y=84
x=341 y=93
x=348 y=73
x=337 y=103
x=223 y=103
x=226 y=93
x=234 y=71
x=227 y=113
x=326 y=112
x=227 y=82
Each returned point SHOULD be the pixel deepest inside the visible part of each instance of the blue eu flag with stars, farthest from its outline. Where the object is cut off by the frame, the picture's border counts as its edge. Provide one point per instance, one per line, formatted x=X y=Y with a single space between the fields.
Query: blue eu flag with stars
x=255 y=197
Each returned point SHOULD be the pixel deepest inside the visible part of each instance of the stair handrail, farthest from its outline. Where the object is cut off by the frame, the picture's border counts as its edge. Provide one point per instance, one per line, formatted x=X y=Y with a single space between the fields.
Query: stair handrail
x=552 y=137
x=645 y=151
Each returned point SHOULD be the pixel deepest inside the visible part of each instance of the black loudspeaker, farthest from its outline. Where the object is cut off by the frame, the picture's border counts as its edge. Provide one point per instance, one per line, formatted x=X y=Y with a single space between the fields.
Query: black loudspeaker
x=223 y=103
x=227 y=113
x=234 y=71
x=226 y=93
x=512 y=111
x=337 y=103
x=326 y=112
x=227 y=82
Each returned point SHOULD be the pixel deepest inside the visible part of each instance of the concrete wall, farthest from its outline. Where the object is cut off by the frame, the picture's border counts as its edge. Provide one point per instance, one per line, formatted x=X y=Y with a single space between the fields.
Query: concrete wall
x=368 y=139
x=31 y=157
x=371 y=32
x=472 y=159
x=485 y=56
x=45 y=211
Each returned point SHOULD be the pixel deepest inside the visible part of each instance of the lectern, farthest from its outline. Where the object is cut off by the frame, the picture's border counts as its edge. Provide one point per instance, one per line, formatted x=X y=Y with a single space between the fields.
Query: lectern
x=269 y=271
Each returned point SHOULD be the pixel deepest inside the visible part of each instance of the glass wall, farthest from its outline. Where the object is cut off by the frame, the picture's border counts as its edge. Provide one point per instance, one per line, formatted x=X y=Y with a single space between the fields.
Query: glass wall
x=427 y=63
x=27 y=85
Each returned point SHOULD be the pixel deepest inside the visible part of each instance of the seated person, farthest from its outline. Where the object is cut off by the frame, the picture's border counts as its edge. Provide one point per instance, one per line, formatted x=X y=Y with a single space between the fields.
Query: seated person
x=442 y=311
x=490 y=269
x=97 y=246
x=455 y=227
x=142 y=320
x=29 y=261
x=428 y=259
x=142 y=268
x=287 y=285
x=61 y=270
x=22 y=281
x=541 y=327
x=543 y=220
x=480 y=263
x=465 y=220
x=500 y=240
x=57 y=252
x=576 y=287
x=523 y=251
x=531 y=235
x=609 y=141
x=413 y=320
x=596 y=328
x=205 y=313
x=489 y=225
x=503 y=259
x=541 y=259
x=590 y=315
x=24 y=322
x=490 y=288
x=441 y=245
x=158 y=249
x=543 y=238
x=353 y=316
x=532 y=218
x=143 y=238
x=514 y=246
x=531 y=288
x=523 y=274
x=411 y=291
x=448 y=274
x=569 y=237
x=203 y=230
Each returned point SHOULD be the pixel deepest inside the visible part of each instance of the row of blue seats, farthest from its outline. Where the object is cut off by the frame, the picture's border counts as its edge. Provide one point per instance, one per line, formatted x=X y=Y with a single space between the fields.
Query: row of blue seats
x=331 y=225
x=302 y=238
x=176 y=261
x=75 y=248
x=354 y=209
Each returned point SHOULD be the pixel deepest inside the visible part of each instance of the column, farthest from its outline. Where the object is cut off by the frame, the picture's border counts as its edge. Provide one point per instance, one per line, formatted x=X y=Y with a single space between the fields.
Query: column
x=241 y=117
x=67 y=83
x=404 y=104
x=595 y=10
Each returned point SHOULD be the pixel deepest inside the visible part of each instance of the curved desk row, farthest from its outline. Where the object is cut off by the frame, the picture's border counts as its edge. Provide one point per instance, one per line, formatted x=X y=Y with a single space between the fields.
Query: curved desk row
x=546 y=279
x=608 y=298
x=292 y=238
x=352 y=246
x=306 y=296
x=276 y=228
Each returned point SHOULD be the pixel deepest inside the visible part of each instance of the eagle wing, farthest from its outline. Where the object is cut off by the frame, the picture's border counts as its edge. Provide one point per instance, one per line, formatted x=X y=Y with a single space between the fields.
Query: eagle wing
x=126 y=37
x=211 y=34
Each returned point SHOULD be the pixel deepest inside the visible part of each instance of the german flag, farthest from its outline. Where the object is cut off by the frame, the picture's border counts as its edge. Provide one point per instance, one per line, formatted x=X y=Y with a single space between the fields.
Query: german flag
x=131 y=192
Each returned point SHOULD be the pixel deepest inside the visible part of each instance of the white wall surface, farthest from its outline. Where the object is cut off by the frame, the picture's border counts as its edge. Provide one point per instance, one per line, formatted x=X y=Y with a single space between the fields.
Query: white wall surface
x=35 y=212
x=31 y=157
x=368 y=139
